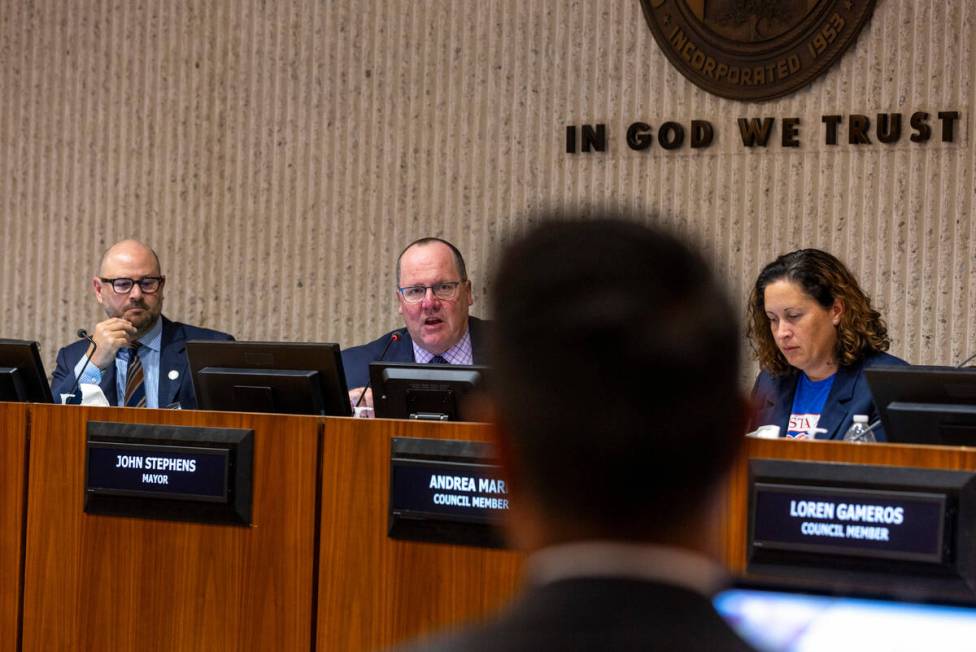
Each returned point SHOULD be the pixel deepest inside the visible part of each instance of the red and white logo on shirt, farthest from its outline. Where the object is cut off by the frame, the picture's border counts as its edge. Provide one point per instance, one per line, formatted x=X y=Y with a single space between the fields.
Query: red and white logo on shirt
x=802 y=425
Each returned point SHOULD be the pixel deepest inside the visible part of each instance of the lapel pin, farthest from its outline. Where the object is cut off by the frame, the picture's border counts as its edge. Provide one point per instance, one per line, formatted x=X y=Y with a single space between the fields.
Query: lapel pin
x=173 y=374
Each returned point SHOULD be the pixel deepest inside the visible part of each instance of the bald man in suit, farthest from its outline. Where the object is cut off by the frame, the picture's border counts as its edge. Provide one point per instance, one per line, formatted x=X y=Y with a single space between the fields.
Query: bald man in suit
x=140 y=357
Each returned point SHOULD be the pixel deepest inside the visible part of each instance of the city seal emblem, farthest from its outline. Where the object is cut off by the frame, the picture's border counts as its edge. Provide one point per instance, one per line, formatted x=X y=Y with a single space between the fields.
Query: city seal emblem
x=755 y=50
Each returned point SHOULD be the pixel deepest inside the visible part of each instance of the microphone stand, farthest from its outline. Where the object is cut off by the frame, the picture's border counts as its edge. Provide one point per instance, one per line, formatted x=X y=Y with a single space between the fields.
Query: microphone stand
x=82 y=333
x=395 y=337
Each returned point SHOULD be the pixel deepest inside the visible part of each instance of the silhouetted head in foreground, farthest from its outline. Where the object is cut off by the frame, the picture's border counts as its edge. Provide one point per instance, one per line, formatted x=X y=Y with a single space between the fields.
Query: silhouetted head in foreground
x=615 y=384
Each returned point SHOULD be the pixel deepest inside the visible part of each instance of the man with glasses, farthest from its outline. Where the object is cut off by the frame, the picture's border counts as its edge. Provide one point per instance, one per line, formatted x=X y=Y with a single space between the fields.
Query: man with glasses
x=140 y=357
x=433 y=295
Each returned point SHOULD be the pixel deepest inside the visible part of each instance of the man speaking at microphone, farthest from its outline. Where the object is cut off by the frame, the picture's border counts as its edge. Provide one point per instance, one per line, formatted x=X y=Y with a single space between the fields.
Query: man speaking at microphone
x=139 y=356
x=433 y=295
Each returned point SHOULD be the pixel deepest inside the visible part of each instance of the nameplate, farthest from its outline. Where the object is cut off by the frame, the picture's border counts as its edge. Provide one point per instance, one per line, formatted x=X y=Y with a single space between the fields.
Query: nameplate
x=876 y=528
x=445 y=491
x=170 y=472
x=897 y=525
x=178 y=472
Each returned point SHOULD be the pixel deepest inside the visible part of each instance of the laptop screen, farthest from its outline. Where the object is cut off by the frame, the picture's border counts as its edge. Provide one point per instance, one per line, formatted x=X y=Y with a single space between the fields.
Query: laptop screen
x=794 y=622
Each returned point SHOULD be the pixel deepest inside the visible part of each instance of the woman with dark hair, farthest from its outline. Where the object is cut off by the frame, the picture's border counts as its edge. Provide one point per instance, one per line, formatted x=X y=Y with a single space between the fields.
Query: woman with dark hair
x=814 y=332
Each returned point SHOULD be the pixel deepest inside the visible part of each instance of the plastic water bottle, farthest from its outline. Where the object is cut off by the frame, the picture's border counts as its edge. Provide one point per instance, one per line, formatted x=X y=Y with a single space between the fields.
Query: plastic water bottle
x=858 y=433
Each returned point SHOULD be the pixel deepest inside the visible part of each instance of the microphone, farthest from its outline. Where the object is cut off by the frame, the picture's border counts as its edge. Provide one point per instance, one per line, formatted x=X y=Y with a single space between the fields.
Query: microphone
x=394 y=337
x=83 y=334
x=963 y=363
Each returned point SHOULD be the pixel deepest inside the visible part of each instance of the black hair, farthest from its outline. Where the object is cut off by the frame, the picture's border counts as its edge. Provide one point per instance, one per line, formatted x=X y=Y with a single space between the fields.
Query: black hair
x=616 y=363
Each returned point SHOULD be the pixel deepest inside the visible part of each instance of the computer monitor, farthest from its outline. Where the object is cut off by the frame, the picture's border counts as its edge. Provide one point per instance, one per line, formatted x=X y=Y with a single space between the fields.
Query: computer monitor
x=423 y=391
x=926 y=405
x=22 y=377
x=277 y=377
x=791 y=620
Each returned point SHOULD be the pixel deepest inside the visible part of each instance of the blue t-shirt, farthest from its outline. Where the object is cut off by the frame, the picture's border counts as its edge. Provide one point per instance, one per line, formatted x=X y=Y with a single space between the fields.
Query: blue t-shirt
x=808 y=403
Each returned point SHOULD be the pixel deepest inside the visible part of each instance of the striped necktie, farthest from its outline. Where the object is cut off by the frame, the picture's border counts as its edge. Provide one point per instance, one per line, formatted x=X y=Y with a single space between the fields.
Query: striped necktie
x=135 y=387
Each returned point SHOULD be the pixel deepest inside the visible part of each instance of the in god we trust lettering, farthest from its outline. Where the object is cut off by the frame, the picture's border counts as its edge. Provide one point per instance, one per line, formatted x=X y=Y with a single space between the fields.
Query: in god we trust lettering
x=752 y=132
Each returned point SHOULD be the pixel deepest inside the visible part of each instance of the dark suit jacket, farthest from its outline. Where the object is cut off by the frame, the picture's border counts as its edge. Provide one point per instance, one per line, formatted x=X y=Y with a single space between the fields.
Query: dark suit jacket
x=849 y=395
x=172 y=356
x=355 y=360
x=599 y=615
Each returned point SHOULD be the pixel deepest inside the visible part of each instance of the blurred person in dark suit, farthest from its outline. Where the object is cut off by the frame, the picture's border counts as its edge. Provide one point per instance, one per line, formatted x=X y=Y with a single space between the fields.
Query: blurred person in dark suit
x=617 y=415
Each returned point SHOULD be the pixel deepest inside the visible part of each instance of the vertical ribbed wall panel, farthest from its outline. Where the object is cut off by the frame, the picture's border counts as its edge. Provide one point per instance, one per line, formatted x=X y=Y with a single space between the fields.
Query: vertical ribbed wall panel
x=279 y=155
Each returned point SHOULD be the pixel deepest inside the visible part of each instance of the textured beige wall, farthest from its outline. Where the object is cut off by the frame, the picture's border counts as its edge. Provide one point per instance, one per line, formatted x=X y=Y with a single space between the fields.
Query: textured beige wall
x=279 y=154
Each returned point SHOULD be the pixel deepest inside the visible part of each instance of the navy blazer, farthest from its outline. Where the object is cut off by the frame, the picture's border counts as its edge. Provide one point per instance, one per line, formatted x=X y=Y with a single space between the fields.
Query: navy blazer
x=355 y=360
x=172 y=357
x=849 y=395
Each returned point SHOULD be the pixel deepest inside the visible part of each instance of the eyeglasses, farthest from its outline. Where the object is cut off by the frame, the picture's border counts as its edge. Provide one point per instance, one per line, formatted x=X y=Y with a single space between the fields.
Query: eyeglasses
x=446 y=290
x=148 y=284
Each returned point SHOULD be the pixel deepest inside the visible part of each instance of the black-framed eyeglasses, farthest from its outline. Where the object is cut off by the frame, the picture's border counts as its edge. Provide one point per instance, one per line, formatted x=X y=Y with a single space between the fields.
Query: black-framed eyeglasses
x=445 y=290
x=148 y=284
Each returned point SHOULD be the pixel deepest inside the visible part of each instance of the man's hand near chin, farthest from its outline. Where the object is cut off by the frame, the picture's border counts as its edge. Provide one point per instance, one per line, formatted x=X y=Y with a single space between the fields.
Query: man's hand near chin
x=110 y=335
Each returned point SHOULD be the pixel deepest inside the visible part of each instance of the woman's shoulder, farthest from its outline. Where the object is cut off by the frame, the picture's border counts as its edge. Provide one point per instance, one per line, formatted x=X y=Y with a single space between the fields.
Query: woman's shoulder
x=768 y=383
x=882 y=359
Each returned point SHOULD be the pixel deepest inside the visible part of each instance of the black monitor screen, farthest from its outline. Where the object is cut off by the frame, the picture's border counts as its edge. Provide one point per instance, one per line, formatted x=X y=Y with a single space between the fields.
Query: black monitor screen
x=22 y=377
x=926 y=405
x=278 y=377
x=423 y=391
